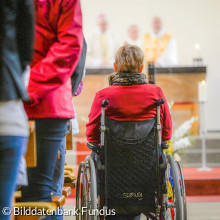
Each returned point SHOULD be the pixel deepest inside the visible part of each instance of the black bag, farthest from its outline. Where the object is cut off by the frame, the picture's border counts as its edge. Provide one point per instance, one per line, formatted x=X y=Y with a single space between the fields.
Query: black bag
x=78 y=73
x=130 y=166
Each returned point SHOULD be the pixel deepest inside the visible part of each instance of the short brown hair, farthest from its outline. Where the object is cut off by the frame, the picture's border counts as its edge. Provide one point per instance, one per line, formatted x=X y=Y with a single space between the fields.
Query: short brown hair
x=128 y=59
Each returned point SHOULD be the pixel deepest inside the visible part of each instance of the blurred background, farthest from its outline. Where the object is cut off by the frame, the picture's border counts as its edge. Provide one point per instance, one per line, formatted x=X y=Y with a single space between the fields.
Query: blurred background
x=189 y=21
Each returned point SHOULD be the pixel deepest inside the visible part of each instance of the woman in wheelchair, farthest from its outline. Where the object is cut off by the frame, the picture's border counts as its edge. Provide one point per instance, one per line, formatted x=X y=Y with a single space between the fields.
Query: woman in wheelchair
x=130 y=182
x=130 y=97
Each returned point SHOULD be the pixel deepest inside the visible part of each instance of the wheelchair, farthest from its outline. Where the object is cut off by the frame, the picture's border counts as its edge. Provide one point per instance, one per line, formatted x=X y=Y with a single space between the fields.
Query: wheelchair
x=129 y=173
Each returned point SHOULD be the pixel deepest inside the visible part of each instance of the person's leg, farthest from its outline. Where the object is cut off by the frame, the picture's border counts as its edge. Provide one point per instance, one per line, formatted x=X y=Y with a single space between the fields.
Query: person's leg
x=11 y=151
x=58 y=177
x=50 y=135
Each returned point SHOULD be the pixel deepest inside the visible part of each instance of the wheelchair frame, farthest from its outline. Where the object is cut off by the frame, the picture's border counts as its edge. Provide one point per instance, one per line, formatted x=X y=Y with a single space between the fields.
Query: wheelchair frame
x=88 y=182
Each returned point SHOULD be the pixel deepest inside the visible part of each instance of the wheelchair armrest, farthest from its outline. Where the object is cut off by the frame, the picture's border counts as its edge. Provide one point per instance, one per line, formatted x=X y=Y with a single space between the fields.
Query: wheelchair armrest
x=164 y=145
x=163 y=161
x=95 y=147
x=92 y=146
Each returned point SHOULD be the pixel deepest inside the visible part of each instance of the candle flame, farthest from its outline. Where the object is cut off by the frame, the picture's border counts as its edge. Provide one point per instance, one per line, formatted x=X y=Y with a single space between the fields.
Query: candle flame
x=197 y=46
x=203 y=82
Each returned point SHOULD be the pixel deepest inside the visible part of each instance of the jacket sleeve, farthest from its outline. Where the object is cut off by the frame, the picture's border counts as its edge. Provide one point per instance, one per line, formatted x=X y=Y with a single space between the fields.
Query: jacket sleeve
x=92 y=127
x=25 y=31
x=62 y=57
x=166 y=120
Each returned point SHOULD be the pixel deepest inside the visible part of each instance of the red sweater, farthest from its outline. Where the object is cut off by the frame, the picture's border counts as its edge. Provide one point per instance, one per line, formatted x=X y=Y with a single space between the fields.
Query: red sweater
x=129 y=103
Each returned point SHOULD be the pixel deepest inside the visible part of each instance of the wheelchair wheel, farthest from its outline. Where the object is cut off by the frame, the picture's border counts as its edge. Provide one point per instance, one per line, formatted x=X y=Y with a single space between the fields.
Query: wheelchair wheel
x=80 y=195
x=90 y=186
x=86 y=191
x=183 y=190
x=175 y=207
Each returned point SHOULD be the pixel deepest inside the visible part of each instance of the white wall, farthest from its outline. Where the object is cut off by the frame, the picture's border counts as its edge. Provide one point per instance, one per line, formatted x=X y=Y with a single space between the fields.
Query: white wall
x=190 y=21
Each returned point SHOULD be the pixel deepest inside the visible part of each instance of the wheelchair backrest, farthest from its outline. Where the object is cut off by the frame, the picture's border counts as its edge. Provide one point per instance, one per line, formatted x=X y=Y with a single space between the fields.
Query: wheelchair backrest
x=130 y=165
x=130 y=130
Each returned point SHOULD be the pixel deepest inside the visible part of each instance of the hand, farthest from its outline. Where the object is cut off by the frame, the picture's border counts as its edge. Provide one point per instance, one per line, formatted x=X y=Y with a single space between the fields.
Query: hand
x=26 y=75
x=33 y=100
x=164 y=145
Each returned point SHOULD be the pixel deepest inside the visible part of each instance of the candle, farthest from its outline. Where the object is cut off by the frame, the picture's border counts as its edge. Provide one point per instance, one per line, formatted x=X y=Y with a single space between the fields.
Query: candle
x=197 y=50
x=202 y=91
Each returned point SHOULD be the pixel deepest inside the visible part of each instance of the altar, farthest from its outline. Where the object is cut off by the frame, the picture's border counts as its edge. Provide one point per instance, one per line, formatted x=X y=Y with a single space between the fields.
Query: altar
x=179 y=84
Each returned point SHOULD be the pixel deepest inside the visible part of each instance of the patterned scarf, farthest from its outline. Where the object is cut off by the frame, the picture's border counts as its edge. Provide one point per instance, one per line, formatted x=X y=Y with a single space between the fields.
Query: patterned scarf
x=127 y=79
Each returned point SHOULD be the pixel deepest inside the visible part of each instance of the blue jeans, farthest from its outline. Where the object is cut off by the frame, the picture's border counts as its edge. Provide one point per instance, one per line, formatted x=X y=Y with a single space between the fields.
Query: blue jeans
x=47 y=178
x=12 y=148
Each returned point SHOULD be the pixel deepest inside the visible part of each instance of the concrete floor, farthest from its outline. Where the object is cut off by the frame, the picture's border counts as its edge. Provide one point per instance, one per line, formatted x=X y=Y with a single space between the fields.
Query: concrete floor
x=196 y=211
x=204 y=211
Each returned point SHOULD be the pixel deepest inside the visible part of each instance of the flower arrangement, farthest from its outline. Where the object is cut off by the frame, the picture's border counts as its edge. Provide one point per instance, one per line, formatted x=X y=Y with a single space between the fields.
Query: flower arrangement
x=181 y=137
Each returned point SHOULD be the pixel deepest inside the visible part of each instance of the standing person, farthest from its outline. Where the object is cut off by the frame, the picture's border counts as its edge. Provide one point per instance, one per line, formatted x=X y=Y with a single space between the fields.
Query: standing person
x=159 y=46
x=58 y=46
x=134 y=37
x=102 y=45
x=16 y=46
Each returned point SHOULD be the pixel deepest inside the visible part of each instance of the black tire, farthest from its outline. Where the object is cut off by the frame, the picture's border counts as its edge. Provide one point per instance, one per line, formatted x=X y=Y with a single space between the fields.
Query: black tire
x=178 y=209
x=79 y=191
x=91 y=178
x=183 y=190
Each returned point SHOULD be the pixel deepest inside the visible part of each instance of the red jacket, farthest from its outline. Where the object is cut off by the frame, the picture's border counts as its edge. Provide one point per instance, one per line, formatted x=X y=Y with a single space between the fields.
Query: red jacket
x=58 y=44
x=128 y=103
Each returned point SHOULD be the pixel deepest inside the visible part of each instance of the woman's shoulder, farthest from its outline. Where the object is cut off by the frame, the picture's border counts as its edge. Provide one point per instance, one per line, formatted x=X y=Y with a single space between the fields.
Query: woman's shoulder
x=116 y=89
x=151 y=86
x=106 y=90
x=151 y=89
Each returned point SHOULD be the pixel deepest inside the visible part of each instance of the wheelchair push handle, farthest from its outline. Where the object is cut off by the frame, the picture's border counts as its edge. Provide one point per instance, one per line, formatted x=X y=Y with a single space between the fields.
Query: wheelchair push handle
x=159 y=102
x=104 y=103
x=102 y=127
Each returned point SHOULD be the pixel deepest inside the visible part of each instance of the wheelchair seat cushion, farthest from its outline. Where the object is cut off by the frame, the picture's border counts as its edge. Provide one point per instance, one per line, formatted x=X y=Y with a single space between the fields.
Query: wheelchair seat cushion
x=130 y=166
